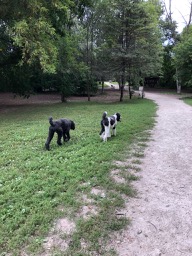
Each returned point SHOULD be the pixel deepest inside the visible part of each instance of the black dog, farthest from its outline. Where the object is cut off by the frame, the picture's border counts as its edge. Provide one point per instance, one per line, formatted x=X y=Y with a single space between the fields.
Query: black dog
x=62 y=128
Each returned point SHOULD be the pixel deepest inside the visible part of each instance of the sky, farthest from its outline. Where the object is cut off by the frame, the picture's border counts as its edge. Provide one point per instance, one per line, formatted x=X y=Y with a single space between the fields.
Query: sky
x=179 y=8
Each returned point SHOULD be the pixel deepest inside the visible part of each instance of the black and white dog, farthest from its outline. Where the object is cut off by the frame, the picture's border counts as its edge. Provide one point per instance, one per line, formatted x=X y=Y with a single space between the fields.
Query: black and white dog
x=108 y=125
x=62 y=128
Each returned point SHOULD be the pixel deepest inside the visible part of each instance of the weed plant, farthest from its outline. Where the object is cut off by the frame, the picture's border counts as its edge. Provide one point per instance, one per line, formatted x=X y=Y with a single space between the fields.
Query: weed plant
x=35 y=183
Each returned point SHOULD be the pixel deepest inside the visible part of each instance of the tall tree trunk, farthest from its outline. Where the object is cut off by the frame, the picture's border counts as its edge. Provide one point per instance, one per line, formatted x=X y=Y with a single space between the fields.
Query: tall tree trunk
x=88 y=89
x=121 y=92
x=87 y=62
x=102 y=82
x=130 y=92
x=63 y=98
x=177 y=83
x=122 y=81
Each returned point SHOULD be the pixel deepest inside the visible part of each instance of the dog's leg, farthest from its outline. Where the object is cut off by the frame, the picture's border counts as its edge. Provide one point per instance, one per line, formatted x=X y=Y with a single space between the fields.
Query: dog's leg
x=102 y=128
x=66 y=136
x=49 y=138
x=107 y=133
x=59 y=133
x=114 y=130
x=102 y=135
x=102 y=132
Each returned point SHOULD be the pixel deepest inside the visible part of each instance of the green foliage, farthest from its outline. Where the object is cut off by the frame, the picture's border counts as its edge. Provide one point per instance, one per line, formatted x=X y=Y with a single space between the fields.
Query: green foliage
x=168 y=69
x=78 y=40
x=133 y=40
x=34 y=183
x=170 y=38
x=183 y=57
x=188 y=100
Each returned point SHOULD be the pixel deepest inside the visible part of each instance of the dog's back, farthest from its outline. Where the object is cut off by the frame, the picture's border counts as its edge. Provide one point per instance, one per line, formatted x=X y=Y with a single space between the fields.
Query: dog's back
x=115 y=118
x=67 y=124
x=56 y=123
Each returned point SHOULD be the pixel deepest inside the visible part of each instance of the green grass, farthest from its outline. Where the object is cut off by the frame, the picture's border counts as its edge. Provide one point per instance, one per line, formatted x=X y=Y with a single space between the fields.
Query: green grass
x=35 y=183
x=188 y=100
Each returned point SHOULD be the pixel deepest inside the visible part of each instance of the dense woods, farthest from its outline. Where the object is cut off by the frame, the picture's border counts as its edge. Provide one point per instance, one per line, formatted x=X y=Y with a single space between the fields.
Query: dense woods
x=69 y=46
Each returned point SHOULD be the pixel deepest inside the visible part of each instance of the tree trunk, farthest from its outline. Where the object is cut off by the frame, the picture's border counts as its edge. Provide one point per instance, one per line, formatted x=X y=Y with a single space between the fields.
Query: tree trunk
x=87 y=62
x=178 y=89
x=143 y=93
x=102 y=86
x=130 y=92
x=177 y=83
x=121 y=92
x=122 y=81
x=88 y=91
x=63 y=99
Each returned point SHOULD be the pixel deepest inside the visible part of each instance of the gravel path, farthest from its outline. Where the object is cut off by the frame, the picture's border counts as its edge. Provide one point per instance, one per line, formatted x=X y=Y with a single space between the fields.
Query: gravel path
x=161 y=215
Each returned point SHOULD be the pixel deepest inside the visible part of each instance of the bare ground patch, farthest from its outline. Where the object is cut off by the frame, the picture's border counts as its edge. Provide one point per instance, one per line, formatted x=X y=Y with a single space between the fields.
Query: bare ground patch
x=59 y=236
x=11 y=102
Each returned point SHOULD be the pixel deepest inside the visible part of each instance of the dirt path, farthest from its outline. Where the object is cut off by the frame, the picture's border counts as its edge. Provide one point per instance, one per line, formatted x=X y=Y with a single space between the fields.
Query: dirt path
x=161 y=215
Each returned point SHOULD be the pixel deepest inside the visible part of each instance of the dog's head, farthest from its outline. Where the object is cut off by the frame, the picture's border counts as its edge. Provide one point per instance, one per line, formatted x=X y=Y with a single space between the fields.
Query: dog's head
x=72 y=125
x=118 y=117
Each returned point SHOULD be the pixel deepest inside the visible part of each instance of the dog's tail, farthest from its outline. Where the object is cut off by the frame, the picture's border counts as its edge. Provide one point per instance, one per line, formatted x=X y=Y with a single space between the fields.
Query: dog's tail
x=51 y=121
x=104 y=115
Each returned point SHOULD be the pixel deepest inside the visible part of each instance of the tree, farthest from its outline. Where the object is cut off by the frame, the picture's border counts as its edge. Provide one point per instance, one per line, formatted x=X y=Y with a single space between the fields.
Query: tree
x=183 y=57
x=168 y=68
x=183 y=53
x=177 y=50
x=132 y=36
x=89 y=27
x=34 y=31
x=72 y=42
x=170 y=39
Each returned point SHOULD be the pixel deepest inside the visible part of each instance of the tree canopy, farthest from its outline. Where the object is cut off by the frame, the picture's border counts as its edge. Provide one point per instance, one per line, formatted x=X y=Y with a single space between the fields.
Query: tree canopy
x=183 y=57
x=68 y=45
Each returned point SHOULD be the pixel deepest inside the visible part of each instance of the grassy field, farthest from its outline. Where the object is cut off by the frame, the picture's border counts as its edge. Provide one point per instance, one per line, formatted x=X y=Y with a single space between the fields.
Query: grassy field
x=38 y=187
x=188 y=100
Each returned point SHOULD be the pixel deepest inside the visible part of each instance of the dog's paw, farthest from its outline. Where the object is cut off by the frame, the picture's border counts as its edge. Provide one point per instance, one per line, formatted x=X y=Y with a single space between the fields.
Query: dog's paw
x=47 y=147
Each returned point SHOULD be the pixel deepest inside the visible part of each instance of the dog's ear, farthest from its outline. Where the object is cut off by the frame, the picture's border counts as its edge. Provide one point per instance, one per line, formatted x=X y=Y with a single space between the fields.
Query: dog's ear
x=72 y=125
x=118 y=117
